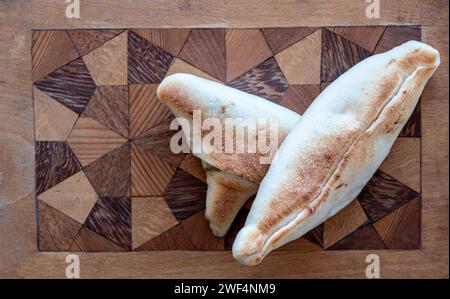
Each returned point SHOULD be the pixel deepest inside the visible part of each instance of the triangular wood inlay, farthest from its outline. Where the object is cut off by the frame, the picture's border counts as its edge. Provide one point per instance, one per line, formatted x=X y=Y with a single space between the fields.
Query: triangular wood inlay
x=87 y=40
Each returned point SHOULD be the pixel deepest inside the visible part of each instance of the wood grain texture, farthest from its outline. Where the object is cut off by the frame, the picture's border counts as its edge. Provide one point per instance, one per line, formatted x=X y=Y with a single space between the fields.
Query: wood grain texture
x=343 y=223
x=89 y=241
x=245 y=48
x=109 y=106
x=17 y=231
x=413 y=127
x=316 y=235
x=111 y=218
x=205 y=49
x=149 y=174
x=87 y=40
x=150 y=217
x=403 y=162
x=180 y=66
x=147 y=63
x=108 y=63
x=201 y=236
x=70 y=85
x=265 y=80
x=395 y=36
x=174 y=239
x=364 y=238
x=170 y=40
x=110 y=175
x=157 y=142
x=50 y=50
x=74 y=197
x=366 y=37
x=146 y=111
x=338 y=55
x=401 y=228
x=299 y=97
x=383 y=194
x=52 y=121
x=90 y=140
x=56 y=230
x=185 y=195
x=300 y=62
x=55 y=162
x=193 y=165
x=281 y=38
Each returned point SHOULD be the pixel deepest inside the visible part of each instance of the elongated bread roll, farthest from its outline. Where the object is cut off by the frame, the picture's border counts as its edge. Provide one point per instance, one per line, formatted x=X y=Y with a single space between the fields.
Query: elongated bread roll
x=232 y=177
x=335 y=148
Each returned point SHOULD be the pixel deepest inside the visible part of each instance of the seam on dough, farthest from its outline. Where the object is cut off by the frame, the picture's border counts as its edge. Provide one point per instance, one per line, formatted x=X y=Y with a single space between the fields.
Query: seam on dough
x=297 y=218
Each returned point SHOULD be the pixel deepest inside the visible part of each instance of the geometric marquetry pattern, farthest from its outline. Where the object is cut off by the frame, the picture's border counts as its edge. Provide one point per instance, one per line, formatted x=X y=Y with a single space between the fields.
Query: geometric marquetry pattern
x=106 y=179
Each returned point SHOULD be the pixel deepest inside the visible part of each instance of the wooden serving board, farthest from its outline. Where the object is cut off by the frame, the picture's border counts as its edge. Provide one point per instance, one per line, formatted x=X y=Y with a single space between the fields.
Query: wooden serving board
x=105 y=177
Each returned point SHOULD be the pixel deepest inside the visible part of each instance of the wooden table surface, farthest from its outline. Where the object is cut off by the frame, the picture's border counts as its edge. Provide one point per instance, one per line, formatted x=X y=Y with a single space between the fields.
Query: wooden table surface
x=18 y=249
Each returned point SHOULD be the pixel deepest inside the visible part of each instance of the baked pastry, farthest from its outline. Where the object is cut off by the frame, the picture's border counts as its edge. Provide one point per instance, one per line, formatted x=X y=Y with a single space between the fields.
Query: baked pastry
x=335 y=148
x=232 y=177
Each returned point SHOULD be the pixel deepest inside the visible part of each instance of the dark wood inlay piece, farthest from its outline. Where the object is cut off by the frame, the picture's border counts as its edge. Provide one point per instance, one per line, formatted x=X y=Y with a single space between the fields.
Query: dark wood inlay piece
x=366 y=37
x=147 y=63
x=170 y=40
x=413 y=126
x=87 y=40
x=265 y=80
x=71 y=85
x=55 y=162
x=111 y=218
x=338 y=55
x=185 y=195
x=110 y=174
x=401 y=228
x=201 y=236
x=157 y=142
x=56 y=230
x=281 y=38
x=383 y=194
x=299 y=97
x=173 y=239
x=89 y=241
x=235 y=227
x=365 y=238
x=109 y=106
x=205 y=49
x=315 y=235
x=396 y=35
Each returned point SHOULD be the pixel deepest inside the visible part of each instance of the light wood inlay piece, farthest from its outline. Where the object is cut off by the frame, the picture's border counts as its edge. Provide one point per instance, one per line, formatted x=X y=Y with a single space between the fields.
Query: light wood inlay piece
x=403 y=162
x=179 y=66
x=90 y=140
x=245 y=48
x=300 y=62
x=52 y=120
x=146 y=111
x=74 y=197
x=343 y=223
x=198 y=230
x=149 y=175
x=366 y=37
x=150 y=216
x=108 y=63
x=51 y=50
x=170 y=40
x=87 y=40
